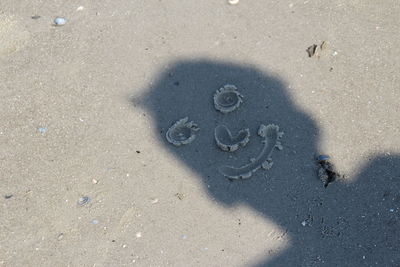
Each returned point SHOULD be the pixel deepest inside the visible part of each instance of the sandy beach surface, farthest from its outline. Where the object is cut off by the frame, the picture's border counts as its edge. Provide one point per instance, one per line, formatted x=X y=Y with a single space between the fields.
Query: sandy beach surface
x=88 y=177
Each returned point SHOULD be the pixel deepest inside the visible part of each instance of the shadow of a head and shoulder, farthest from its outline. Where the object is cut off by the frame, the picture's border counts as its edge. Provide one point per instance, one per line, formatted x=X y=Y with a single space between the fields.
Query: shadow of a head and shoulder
x=288 y=193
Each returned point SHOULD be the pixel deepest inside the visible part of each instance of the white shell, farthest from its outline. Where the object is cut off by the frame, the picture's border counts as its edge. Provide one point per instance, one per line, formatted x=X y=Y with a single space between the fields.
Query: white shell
x=60 y=21
x=233 y=2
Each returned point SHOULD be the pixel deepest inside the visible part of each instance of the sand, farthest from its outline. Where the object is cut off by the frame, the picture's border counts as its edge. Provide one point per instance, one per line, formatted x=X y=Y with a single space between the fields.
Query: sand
x=85 y=108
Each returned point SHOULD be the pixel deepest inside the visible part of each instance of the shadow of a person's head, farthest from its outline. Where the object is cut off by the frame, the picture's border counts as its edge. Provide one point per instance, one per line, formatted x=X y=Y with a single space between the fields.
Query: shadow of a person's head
x=186 y=89
x=289 y=192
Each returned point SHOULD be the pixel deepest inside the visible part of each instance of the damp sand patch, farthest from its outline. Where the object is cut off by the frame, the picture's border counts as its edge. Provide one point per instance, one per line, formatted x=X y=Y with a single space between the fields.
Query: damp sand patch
x=227 y=142
x=271 y=140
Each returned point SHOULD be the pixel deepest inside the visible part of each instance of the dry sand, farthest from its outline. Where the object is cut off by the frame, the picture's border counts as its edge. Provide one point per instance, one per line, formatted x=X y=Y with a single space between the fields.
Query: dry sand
x=85 y=108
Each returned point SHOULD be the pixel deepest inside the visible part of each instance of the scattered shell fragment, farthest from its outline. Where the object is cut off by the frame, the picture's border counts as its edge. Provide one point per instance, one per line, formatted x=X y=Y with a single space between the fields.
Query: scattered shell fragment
x=227 y=98
x=227 y=142
x=272 y=136
x=311 y=50
x=59 y=21
x=182 y=132
x=138 y=234
x=60 y=236
x=94 y=181
x=267 y=165
x=80 y=8
x=324 y=45
x=154 y=200
x=233 y=2
x=82 y=201
x=317 y=50
x=42 y=130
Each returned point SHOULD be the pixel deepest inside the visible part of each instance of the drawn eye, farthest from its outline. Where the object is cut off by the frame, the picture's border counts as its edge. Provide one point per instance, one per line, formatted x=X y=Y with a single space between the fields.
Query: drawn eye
x=182 y=132
x=227 y=98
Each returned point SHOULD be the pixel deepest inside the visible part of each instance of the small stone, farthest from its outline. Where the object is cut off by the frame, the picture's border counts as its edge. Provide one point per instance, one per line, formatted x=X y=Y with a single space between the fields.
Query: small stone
x=304 y=223
x=95 y=221
x=154 y=200
x=35 y=17
x=181 y=196
x=138 y=235
x=60 y=21
x=60 y=236
x=323 y=158
x=80 y=8
x=184 y=236
x=94 y=181
x=233 y=2
x=324 y=45
x=8 y=196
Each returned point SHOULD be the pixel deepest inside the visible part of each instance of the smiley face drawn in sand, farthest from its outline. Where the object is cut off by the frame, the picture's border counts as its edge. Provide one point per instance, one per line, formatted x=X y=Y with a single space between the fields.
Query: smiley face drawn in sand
x=226 y=100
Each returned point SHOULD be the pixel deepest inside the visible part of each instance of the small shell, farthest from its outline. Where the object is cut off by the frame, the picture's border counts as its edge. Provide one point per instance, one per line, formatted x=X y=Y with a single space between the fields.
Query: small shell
x=227 y=98
x=312 y=50
x=182 y=132
x=60 y=21
x=82 y=201
x=323 y=158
